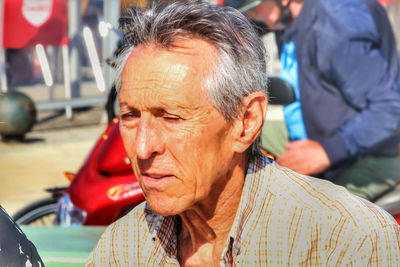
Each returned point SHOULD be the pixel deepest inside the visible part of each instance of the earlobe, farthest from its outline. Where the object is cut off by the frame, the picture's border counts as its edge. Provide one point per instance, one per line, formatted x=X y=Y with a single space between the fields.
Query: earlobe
x=250 y=123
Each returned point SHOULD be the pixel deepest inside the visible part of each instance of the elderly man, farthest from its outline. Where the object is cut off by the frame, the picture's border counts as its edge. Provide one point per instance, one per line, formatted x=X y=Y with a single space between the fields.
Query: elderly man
x=192 y=108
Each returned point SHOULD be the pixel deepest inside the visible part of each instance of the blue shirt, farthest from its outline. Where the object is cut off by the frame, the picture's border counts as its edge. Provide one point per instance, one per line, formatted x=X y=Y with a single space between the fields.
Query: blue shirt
x=292 y=112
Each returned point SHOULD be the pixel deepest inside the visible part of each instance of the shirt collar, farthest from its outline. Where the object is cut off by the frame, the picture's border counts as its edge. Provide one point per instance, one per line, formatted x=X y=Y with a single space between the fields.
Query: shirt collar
x=163 y=230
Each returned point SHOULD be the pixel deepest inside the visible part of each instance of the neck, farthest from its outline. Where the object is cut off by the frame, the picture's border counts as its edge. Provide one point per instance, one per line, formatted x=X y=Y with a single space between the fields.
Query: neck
x=206 y=226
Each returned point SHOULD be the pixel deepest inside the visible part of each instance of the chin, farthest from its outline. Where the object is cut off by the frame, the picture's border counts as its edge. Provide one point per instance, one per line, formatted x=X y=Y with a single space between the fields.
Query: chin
x=163 y=207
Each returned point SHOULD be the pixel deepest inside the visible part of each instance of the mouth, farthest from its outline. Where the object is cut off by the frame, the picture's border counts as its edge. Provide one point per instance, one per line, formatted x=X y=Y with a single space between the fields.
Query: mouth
x=155 y=180
x=154 y=175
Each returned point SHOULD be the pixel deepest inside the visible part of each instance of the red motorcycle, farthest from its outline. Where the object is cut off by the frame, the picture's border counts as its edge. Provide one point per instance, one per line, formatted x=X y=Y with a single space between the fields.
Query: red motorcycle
x=105 y=187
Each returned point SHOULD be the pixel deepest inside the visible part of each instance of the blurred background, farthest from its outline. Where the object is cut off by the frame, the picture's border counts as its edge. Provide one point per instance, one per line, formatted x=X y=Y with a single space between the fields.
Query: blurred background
x=54 y=85
x=55 y=52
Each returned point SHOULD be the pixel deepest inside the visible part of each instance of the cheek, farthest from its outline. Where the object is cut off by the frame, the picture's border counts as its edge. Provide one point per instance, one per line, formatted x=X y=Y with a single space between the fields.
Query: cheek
x=128 y=139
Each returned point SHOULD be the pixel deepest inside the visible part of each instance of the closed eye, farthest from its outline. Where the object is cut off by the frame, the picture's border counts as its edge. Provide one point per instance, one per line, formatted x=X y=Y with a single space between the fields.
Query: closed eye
x=130 y=115
x=162 y=113
x=171 y=118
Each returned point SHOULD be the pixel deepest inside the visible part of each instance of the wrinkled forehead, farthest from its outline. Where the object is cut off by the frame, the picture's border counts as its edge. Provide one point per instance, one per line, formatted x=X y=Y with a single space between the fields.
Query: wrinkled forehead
x=190 y=59
x=169 y=72
x=190 y=51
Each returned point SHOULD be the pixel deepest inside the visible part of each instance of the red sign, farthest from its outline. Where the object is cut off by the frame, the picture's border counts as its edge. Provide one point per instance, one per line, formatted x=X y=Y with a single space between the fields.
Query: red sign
x=31 y=22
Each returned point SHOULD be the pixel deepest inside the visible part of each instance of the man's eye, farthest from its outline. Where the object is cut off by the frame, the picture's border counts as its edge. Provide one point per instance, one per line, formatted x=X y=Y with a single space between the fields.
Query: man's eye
x=129 y=115
x=171 y=118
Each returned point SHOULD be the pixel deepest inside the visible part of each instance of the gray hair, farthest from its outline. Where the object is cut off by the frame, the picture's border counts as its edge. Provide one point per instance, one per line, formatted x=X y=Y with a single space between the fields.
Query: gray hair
x=240 y=68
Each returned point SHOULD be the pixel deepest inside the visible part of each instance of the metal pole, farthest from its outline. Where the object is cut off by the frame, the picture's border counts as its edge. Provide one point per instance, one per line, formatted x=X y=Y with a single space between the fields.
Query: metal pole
x=67 y=79
x=111 y=10
x=45 y=68
x=94 y=58
x=74 y=30
x=3 y=76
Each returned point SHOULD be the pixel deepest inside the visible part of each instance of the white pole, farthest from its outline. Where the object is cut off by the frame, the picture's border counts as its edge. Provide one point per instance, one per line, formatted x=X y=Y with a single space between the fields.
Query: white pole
x=67 y=79
x=45 y=68
x=44 y=65
x=94 y=59
x=74 y=30
x=3 y=76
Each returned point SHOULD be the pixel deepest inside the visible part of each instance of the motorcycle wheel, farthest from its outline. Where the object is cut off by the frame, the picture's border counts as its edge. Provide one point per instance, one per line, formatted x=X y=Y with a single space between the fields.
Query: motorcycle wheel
x=40 y=213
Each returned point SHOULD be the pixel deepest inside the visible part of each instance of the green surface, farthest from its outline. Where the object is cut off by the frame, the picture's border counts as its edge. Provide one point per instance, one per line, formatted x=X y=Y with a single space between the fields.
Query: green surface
x=63 y=246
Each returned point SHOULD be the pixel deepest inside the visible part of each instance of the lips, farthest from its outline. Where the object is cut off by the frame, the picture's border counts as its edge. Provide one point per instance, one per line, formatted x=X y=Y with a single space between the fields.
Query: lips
x=156 y=180
x=154 y=175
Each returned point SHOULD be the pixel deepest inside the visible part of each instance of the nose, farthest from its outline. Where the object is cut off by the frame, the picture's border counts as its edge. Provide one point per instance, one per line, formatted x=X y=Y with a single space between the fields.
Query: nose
x=148 y=141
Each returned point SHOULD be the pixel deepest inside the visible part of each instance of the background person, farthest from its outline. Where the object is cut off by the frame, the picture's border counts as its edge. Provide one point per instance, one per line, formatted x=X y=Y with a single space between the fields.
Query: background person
x=341 y=58
x=15 y=247
x=190 y=82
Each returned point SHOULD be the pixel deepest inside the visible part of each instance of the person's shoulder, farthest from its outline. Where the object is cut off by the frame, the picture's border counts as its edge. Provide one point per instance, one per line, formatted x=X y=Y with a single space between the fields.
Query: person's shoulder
x=314 y=212
x=345 y=7
x=15 y=248
x=118 y=238
x=328 y=200
x=348 y=17
x=133 y=220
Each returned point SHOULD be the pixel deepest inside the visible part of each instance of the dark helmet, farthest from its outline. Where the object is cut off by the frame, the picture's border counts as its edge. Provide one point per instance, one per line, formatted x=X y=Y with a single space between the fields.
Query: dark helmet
x=245 y=5
x=17 y=115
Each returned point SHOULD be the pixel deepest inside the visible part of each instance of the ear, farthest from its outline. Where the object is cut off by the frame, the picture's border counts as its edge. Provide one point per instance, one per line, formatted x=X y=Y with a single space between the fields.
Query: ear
x=248 y=126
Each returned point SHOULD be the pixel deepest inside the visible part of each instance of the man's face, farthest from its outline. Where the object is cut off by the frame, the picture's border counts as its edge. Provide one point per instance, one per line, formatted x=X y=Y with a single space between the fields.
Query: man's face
x=267 y=12
x=180 y=146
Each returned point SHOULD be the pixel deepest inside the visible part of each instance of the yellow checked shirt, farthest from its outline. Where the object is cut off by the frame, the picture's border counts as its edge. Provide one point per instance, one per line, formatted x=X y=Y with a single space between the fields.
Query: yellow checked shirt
x=284 y=219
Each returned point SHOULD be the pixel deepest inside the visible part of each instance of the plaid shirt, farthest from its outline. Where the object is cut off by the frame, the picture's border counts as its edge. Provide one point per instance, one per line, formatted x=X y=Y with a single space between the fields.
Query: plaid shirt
x=283 y=219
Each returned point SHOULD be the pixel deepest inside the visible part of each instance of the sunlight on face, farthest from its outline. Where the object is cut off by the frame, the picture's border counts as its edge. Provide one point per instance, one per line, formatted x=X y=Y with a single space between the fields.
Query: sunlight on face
x=180 y=146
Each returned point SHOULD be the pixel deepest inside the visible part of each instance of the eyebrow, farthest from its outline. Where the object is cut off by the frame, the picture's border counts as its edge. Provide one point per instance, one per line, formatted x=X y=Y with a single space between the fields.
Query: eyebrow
x=161 y=109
